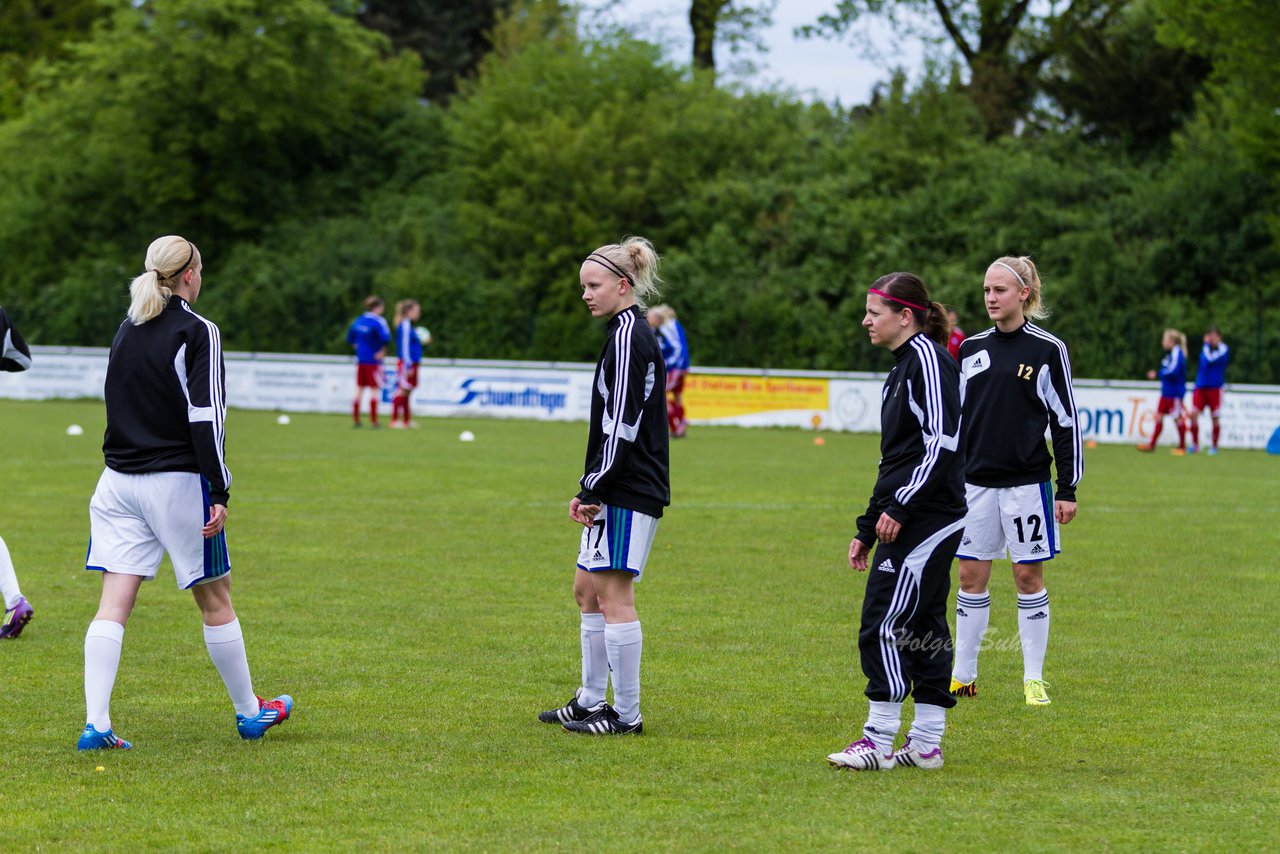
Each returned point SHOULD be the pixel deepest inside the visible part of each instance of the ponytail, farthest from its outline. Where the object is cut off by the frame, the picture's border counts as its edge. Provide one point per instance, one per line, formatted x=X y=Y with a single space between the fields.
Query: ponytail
x=637 y=261
x=937 y=325
x=403 y=307
x=1179 y=338
x=148 y=293
x=147 y=297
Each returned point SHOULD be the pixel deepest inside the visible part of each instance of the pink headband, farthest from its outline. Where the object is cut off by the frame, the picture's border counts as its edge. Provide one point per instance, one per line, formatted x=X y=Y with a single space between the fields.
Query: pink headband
x=881 y=293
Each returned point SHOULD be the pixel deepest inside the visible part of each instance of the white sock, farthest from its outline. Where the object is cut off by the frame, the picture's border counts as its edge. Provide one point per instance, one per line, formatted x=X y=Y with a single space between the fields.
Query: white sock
x=102 y=645
x=595 y=661
x=9 y=592
x=622 y=642
x=973 y=613
x=927 y=728
x=884 y=719
x=226 y=648
x=1033 y=629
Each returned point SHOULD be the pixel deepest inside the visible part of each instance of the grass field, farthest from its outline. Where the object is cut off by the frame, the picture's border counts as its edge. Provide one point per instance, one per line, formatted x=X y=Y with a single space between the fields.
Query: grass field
x=412 y=593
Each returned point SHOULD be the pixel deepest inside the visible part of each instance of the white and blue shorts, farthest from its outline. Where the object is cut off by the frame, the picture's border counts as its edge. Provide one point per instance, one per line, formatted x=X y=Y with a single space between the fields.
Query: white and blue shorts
x=1017 y=520
x=618 y=539
x=134 y=519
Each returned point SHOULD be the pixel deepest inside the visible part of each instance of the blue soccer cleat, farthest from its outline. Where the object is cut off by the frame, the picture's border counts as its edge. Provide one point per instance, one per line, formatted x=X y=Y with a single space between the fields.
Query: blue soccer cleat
x=91 y=739
x=270 y=713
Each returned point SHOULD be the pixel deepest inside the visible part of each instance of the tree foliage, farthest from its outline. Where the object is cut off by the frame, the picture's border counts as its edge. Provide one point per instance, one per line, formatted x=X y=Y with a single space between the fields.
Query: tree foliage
x=732 y=24
x=449 y=36
x=33 y=31
x=208 y=117
x=290 y=143
x=1003 y=43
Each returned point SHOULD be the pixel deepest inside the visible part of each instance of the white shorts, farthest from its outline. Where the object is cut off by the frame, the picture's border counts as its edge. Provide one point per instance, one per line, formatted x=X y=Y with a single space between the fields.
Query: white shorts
x=1016 y=519
x=135 y=518
x=619 y=539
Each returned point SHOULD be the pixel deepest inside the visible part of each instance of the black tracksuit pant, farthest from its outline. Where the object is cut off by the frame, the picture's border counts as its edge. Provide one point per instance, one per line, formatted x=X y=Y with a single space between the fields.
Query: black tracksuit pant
x=904 y=641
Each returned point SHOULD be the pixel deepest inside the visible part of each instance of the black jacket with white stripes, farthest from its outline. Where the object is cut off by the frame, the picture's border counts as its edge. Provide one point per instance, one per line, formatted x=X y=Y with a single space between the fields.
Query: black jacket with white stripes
x=15 y=355
x=166 y=398
x=921 y=466
x=627 y=448
x=1016 y=385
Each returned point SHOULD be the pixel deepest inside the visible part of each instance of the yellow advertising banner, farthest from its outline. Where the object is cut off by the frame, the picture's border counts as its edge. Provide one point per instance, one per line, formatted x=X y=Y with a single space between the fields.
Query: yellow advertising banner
x=717 y=396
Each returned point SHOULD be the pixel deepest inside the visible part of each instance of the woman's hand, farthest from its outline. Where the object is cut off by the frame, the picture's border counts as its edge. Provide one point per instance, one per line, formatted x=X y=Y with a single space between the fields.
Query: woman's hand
x=887 y=528
x=858 y=552
x=583 y=514
x=217 y=518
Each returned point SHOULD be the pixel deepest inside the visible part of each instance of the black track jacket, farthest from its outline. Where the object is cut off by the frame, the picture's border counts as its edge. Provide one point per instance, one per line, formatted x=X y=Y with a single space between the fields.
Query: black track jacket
x=627 y=448
x=1015 y=386
x=166 y=398
x=921 y=465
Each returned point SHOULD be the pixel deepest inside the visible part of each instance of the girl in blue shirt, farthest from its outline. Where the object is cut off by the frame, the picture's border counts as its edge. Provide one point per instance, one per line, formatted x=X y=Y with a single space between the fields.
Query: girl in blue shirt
x=1173 y=386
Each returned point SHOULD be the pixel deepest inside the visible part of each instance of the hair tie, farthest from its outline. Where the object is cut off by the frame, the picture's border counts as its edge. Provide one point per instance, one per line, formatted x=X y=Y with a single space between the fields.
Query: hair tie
x=881 y=293
x=1021 y=281
x=605 y=262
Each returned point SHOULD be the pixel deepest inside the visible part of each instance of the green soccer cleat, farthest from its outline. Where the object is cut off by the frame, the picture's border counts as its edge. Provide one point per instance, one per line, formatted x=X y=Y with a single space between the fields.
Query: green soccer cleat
x=1033 y=690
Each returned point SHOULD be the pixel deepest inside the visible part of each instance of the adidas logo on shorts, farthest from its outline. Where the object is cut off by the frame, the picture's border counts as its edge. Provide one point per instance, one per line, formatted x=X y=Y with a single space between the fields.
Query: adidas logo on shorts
x=597 y=555
x=886 y=566
x=1039 y=615
x=1038 y=549
x=966 y=541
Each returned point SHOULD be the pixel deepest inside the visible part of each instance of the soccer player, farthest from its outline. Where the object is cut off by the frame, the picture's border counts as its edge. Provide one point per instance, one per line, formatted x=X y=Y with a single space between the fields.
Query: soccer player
x=1211 y=375
x=957 y=334
x=624 y=488
x=1173 y=385
x=675 y=355
x=14 y=356
x=369 y=334
x=165 y=487
x=1015 y=383
x=408 y=355
x=916 y=512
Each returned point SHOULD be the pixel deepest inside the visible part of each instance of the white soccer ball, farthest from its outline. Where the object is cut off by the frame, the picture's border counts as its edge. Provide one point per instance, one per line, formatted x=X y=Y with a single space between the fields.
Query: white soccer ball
x=283 y=419
x=75 y=430
x=466 y=436
x=424 y=334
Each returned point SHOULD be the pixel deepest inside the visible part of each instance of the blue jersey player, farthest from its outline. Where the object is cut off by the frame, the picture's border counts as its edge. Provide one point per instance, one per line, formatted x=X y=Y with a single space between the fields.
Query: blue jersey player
x=369 y=334
x=1211 y=376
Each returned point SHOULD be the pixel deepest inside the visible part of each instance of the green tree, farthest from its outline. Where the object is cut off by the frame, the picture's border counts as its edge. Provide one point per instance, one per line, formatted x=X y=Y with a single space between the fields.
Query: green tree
x=35 y=30
x=1242 y=37
x=734 y=24
x=450 y=36
x=1003 y=43
x=1120 y=85
x=212 y=118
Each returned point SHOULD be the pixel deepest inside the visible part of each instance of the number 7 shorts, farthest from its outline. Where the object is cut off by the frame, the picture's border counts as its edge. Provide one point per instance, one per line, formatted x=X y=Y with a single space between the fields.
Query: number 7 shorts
x=618 y=539
x=1016 y=519
x=134 y=519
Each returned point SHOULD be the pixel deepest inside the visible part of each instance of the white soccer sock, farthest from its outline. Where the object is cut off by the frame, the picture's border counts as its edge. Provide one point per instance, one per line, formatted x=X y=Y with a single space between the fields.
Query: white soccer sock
x=884 y=719
x=1033 y=629
x=595 y=661
x=102 y=644
x=927 y=728
x=226 y=648
x=622 y=643
x=9 y=592
x=973 y=613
